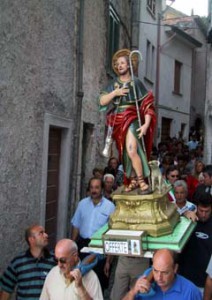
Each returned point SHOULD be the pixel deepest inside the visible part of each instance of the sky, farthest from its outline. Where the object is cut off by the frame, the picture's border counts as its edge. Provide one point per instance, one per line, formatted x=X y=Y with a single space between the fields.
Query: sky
x=200 y=7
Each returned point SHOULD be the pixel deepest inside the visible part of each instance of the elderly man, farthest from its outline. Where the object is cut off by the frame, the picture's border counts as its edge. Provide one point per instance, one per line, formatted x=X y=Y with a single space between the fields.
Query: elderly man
x=172 y=174
x=108 y=180
x=184 y=207
x=167 y=284
x=65 y=281
x=28 y=270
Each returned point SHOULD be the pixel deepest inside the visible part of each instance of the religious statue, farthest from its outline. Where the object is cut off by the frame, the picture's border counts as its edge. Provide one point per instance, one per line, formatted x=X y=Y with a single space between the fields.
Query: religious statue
x=131 y=103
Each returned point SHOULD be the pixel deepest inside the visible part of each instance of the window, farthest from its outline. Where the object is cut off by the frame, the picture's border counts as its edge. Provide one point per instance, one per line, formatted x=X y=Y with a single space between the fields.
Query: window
x=150 y=61
x=177 y=76
x=151 y=6
x=113 y=44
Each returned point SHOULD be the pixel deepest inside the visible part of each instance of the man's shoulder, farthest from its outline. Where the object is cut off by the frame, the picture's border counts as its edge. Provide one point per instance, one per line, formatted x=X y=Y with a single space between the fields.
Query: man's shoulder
x=24 y=255
x=90 y=277
x=84 y=201
x=186 y=283
x=190 y=205
x=53 y=272
x=107 y=202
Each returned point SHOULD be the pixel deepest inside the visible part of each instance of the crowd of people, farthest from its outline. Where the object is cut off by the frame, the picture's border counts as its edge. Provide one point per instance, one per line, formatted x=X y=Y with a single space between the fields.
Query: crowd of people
x=40 y=274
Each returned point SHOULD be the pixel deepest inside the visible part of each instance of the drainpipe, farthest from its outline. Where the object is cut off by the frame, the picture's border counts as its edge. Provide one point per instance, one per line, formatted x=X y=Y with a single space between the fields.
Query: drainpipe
x=74 y=183
x=135 y=17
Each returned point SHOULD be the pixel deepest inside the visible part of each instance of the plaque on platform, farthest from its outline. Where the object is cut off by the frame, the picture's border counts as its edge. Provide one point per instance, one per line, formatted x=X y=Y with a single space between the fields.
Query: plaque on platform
x=123 y=242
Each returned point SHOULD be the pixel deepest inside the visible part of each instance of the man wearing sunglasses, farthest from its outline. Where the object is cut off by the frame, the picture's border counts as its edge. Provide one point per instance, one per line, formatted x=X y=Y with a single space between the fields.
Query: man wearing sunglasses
x=65 y=281
x=172 y=175
x=27 y=271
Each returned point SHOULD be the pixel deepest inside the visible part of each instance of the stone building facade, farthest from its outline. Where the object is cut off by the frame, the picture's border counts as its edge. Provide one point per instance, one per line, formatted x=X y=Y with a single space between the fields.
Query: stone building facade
x=169 y=39
x=208 y=101
x=54 y=60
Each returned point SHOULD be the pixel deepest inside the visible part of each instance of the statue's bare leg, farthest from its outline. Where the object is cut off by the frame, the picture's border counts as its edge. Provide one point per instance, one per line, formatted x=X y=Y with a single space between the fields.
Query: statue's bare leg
x=131 y=146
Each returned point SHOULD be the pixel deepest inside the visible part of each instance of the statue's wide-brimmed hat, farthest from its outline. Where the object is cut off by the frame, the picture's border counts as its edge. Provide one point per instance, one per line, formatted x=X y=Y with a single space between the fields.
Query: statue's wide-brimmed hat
x=126 y=53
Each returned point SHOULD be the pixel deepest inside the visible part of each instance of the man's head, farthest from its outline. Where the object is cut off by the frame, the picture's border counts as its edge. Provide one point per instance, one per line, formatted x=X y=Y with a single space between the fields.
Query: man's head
x=199 y=166
x=172 y=174
x=95 y=187
x=113 y=163
x=204 y=206
x=180 y=191
x=207 y=173
x=164 y=268
x=66 y=255
x=108 y=180
x=36 y=237
x=182 y=161
x=98 y=173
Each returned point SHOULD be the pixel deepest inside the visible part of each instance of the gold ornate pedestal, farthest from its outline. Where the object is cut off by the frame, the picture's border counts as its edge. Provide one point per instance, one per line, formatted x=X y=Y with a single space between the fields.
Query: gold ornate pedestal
x=153 y=213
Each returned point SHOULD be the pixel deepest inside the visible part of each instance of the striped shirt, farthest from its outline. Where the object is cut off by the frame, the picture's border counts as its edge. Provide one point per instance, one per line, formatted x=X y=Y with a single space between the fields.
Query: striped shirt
x=28 y=274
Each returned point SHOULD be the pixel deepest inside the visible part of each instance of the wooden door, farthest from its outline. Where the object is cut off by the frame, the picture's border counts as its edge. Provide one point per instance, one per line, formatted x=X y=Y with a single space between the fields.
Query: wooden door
x=52 y=184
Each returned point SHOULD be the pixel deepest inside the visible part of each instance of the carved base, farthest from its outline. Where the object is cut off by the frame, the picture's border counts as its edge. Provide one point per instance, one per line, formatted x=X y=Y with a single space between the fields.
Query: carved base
x=153 y=213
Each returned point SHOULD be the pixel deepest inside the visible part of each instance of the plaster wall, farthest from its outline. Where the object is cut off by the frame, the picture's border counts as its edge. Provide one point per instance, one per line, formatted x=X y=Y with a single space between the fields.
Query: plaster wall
x=172 y=51
x=148 y=31
x=36 y=76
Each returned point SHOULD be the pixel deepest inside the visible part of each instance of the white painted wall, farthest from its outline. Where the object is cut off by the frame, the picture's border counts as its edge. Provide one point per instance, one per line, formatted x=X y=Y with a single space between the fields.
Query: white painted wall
x=176 y=107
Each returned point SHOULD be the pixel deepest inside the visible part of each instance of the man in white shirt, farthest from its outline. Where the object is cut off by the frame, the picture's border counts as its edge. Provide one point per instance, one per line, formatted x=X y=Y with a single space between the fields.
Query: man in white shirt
x=184 y=207
x=65 y=281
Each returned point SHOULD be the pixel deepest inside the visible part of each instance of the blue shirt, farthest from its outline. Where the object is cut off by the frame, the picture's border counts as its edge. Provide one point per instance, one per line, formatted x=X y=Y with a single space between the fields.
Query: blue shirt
x=88 y=217
x=181 y=289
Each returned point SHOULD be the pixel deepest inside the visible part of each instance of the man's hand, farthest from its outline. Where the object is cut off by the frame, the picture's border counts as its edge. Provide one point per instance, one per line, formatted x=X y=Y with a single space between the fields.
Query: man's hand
x=142 y=285
x=4 y=295
x=81 y=290
x=76 y=274
x=191 y=215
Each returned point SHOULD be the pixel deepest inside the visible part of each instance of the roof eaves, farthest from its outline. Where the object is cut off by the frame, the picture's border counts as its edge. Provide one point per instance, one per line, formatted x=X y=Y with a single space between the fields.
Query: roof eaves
x=186 y=36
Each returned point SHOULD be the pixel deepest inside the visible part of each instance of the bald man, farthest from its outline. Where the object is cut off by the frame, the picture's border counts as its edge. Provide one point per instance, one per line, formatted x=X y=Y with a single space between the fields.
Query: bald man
x=65 y=282
x=167 y=284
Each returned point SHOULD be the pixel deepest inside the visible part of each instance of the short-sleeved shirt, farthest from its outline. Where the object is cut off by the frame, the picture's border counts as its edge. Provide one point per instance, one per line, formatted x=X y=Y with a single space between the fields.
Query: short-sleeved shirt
x=28 y=274
x=209 y=268
x=181 y=289
x=88 y=217
x=196 y=254
x=56 y=287
x=188 y=206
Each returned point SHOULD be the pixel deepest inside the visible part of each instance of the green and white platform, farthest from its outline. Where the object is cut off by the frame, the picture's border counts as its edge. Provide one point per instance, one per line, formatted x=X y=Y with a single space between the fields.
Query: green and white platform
x=120 y=242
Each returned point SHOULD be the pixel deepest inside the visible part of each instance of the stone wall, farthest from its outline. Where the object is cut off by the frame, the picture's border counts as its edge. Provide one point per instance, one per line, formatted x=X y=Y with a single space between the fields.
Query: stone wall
x=36 y=76
x=53 y=60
